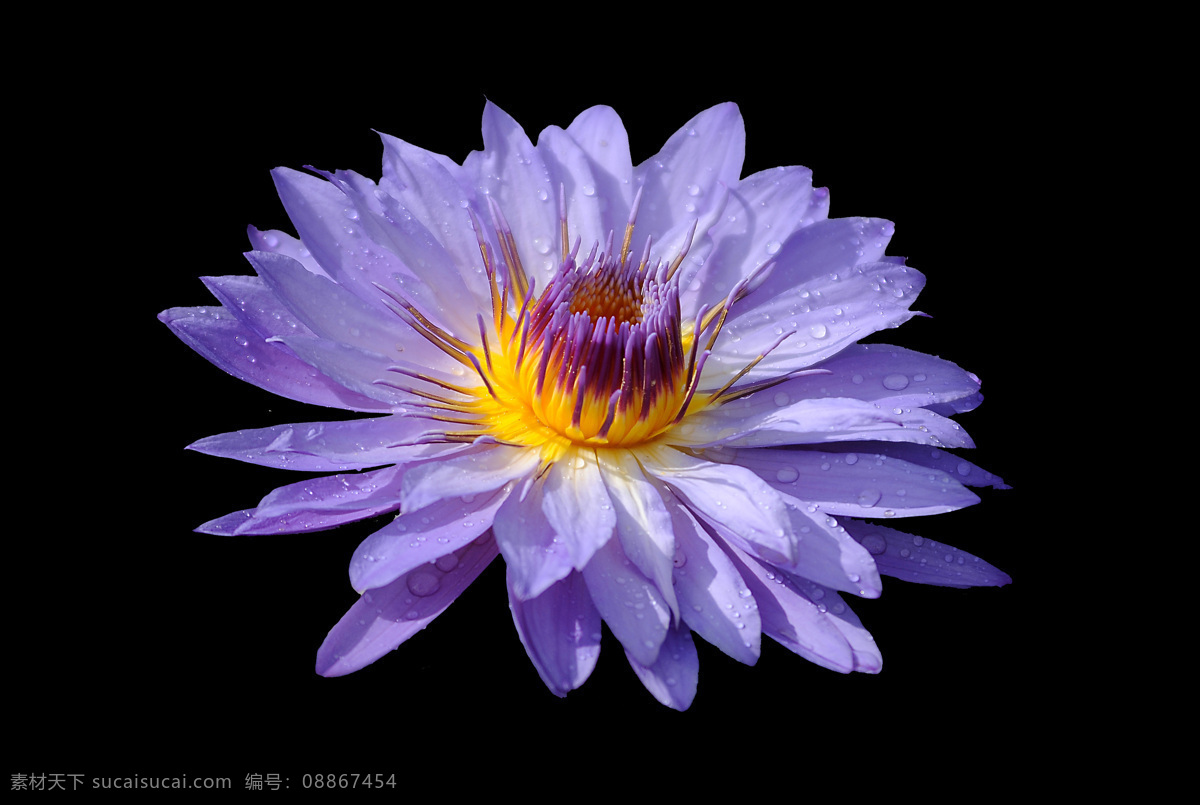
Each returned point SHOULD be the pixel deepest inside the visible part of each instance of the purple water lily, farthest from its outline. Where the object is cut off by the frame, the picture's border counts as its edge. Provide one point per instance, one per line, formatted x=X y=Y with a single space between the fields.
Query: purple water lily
x=640 y=385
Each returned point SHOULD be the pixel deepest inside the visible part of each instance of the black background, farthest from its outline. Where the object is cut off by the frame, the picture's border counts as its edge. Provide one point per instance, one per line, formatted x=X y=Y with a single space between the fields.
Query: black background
x=141 y=647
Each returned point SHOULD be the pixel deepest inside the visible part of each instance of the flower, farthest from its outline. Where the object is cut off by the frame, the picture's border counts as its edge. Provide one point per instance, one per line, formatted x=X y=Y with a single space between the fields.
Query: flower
x=640 y=385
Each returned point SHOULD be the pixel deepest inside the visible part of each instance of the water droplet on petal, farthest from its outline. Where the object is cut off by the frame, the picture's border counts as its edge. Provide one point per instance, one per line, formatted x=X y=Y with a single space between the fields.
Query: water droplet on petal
x=869 y=497
x=895 y=382
x=874 y=544
x=423 y=583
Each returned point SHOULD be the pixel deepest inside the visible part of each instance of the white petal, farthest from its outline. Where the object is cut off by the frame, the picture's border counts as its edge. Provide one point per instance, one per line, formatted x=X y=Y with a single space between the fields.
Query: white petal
x=643 y=522
x=577 y=506
x=728 y=497
x=468 y=473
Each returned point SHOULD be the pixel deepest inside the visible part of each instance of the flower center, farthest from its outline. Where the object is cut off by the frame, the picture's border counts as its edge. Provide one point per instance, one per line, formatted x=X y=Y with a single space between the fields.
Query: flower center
x=600 y=358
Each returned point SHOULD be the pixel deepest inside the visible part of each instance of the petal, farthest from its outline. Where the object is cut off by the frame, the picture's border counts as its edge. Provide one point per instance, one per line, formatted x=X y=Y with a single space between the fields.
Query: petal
x=922 y=560
x=232 y=346
x=790 y=618
x=961 y=470
x=865 y=653
x=273 y=240
x=419 y=537
x=762 y=211
x=384 y=618
x=437 y=192
x=560 y=630
x=354 y=368
x=471 y=472
x=601 y=134
x=577 y=506
x=316 y=504
x=628 y=602
x=684 y=179
x=255 y=305
x=769 y=419
x=512 y=172
x=534 y=553
x=405 y=252
x=326 y=222
x=731 y=498
x=334 y=313
x=826 y=554
x=858 y=483
x=714 y=600
x=673 y=677
x=355 y=444
x=643 y=522
x=890 y=376
x=589 y=214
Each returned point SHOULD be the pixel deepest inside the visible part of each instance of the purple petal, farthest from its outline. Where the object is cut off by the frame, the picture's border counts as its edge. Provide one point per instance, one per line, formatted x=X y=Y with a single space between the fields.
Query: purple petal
x=355 y=444
x=727 y=496
x=601 y=135
x=436 y=191
x=272 y=240
x=858 y=484
x=334 y=313
x=952 y=466
x=255 y=305
x=560 y=630
x=866 y=655
x=922 y=560
x=673 y=677
x=790 y=618
x=890 y=376
x=325 y=220
x=682 y=181
x=320 y=503
x=770 y=419
x=714 y=600
x=243 y=353
x=512 y=172
x=418 y=537
x=589 y=213
x=384 y=618
x=825 y=553
x=428 y=275
x=471 y=472
x=628 y=602
x=762 y=211
x=535 y=555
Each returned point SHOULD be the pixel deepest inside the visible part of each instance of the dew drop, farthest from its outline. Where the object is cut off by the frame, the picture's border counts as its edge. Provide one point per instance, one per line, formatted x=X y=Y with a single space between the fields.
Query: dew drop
x=895 y=382
x=423 y=583
x=869 y=497
x=875 y=544
x=787 y=474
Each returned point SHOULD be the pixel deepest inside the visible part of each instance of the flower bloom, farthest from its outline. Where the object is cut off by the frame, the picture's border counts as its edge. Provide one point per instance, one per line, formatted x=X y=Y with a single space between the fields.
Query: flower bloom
x=640 y=385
